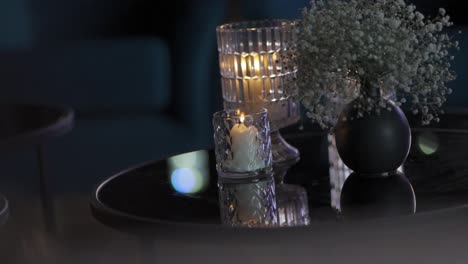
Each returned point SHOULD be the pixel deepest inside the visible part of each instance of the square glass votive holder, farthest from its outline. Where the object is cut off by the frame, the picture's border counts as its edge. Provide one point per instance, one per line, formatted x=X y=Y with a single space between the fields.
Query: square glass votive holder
x=242 y=144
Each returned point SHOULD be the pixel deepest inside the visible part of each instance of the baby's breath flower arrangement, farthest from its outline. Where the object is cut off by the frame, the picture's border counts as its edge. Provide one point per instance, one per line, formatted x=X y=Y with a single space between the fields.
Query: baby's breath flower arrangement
x=352 y=49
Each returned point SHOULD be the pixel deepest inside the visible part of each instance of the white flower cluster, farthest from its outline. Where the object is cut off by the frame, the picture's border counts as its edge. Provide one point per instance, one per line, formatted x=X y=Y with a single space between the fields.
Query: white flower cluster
x=347 y=48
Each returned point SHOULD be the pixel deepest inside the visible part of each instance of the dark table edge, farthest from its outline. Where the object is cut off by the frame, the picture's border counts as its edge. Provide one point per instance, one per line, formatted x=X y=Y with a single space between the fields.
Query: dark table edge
x=62 y=126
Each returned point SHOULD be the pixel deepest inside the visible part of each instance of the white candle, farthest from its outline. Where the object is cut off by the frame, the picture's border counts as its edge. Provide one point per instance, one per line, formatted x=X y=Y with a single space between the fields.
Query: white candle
x=244 y=148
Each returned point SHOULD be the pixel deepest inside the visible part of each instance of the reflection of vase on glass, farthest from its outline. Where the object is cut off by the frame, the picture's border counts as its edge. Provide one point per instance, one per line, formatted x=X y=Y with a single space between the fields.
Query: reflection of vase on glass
x=379 y=196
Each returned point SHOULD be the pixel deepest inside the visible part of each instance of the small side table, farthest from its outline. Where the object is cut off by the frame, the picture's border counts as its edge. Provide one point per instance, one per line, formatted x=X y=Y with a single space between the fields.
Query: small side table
x=25 y=125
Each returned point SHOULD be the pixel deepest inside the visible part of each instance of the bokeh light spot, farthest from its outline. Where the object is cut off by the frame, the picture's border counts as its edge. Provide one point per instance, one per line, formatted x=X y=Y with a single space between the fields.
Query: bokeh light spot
x=428 y=143
x=189 y=172
x=183 y=180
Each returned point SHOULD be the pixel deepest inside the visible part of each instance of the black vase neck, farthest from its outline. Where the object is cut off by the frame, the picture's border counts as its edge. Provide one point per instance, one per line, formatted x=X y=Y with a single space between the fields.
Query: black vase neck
x=370 y=89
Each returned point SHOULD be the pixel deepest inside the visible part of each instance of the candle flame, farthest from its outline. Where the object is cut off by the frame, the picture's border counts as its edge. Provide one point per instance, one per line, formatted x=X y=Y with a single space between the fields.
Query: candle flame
x=242 y=118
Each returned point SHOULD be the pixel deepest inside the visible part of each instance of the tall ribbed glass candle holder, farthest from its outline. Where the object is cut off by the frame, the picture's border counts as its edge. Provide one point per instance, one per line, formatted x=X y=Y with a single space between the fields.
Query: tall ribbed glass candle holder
x=242 y=144
x=256 y=75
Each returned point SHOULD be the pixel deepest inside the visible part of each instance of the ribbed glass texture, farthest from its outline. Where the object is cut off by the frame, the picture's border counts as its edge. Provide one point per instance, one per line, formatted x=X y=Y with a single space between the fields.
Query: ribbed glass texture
x=242 y=143
x=248 y=202
x=254 y=73
x=292 y=205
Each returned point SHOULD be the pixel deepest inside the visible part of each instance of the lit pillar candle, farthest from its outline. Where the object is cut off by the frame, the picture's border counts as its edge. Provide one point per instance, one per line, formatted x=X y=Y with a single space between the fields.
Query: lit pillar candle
x=244 y=148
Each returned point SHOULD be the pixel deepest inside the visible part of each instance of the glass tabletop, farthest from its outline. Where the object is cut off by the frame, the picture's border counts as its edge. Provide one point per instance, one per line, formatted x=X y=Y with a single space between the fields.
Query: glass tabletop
x=185 y=189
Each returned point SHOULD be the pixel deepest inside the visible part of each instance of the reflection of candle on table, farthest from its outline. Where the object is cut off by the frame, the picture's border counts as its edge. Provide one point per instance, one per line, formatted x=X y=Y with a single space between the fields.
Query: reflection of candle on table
x=244 y=147
x=249 y=204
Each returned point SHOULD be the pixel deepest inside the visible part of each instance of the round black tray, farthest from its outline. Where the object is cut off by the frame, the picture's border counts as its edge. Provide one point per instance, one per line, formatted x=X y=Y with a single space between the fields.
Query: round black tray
x=144 y=195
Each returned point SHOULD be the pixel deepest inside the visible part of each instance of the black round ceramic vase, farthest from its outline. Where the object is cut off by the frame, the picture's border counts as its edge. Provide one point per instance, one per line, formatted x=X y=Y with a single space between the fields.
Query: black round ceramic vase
x=376 y=143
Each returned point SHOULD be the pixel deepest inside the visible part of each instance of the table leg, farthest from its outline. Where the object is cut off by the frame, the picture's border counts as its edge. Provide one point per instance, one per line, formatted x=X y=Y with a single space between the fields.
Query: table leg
x=3 y=210
x=47 y=202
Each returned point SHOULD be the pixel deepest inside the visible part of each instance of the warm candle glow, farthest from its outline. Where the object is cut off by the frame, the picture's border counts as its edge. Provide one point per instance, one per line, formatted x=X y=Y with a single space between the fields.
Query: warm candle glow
x=255 y=74
x=242 y=118
x=256 y=80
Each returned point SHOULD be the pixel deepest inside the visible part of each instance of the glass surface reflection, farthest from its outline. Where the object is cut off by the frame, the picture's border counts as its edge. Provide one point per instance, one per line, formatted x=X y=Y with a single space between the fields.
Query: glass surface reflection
x=338 y=173
x=291 y=200
x=367 y=197
x=189 y=172
x=263 y=201
x=248 y=202
x=293 y=209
